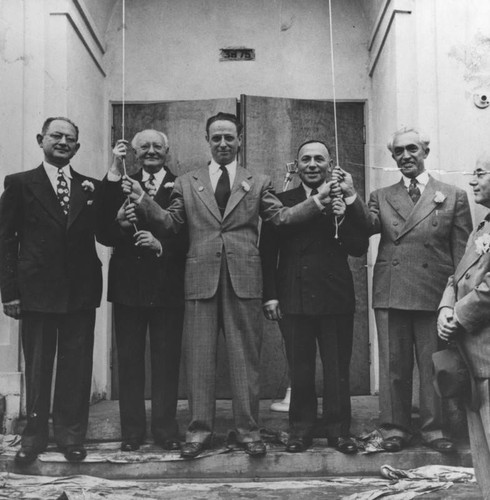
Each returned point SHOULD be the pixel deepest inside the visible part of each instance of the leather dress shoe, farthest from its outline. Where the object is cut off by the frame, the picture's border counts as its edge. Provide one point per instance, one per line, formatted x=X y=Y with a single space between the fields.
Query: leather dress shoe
x=254 y=448
x=26 y=455
x=130 y=445
x=297 y=445
x=393 y=444
x=345 y=444
x=170 y=444
x=192 y=449
x=74 y=452
x=442 y=445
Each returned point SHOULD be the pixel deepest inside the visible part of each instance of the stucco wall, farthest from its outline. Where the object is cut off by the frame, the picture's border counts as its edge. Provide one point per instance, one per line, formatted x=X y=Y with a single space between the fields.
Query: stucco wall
x=172 y=49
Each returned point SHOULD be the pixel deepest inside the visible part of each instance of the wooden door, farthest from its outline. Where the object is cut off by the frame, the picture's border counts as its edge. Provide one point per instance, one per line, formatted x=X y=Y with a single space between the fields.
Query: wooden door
x=184 y=124
x=273 y=130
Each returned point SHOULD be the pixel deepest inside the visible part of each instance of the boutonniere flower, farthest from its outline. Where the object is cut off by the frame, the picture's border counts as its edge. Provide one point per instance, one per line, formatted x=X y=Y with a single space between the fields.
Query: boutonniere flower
x=482 y=244
x=169 y=185
x=88 y=186
x=439 y=197
x=246 y=186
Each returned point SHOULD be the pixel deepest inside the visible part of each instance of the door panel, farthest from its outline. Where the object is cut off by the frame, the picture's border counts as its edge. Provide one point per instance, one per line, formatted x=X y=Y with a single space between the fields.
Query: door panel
x=273 y=130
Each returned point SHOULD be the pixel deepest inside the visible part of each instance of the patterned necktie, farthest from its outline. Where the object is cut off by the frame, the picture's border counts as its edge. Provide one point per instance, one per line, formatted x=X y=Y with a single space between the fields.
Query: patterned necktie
x=414 y=191
x=62 y=192
x=150 y=186
x=222 y=192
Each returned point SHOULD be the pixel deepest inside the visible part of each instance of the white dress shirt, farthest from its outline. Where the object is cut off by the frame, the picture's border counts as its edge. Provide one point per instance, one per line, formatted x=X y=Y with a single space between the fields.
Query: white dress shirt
x=159 y=177
x=215 y=173
x=52 y=173
x=422 y=180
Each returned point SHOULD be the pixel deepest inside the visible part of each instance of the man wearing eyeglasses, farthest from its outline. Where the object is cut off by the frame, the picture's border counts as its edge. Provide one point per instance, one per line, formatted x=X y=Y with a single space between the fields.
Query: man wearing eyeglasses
x=464 y=315
x=50 y=278
x=424 y=225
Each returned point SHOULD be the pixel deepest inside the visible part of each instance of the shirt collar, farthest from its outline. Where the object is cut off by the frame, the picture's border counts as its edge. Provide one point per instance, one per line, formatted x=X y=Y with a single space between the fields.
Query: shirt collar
x=307 y=190
x=214 y=167
x=159 y=176
x=422 y=178
x=53 y=169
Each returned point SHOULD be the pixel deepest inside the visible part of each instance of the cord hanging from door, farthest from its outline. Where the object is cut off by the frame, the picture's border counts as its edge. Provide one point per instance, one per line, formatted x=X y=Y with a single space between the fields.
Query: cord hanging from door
x=332 y=65
x=123 y=91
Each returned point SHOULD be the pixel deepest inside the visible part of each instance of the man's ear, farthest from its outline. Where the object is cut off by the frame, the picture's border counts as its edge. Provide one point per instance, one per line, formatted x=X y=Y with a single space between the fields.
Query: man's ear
x=77 y=147
x=427 y=151
x=39 y=138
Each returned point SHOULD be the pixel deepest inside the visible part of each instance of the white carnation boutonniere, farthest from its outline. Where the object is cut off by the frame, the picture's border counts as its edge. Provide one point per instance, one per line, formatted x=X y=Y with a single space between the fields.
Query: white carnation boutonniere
x=482 y=244
x=88 y=186
x=439 y=197
x=169 y=185
x=246 y=186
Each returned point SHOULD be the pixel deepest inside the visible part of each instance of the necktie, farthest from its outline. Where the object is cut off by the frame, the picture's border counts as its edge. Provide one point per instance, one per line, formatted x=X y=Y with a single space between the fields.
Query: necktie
x=222 y=192
x=150 y=186
x=314 y=191
x=482 y=223
x=62 y=192
x=414 y=191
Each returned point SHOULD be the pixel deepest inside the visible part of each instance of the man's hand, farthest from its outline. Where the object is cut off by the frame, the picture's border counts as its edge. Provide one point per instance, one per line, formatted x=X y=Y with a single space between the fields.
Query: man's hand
x=121 y=216
x=344 y=180
x=132 y=188
x=130 y=213
x=325 y=192
x=338 y=207
x=118 y=155
x=146 y=240
x=447 y=326
x=272 y=311
x=12 y=308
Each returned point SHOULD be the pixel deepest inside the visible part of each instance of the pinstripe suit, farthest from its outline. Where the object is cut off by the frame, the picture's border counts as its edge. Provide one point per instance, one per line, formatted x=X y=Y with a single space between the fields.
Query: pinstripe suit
x=420 y=247
x=468 y=292
x=223 y=287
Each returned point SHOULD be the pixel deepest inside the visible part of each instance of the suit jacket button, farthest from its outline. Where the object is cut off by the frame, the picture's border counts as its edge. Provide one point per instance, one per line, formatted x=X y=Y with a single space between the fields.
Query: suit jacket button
x=218 y=254
x=435 y=223
x=425 y=265
x=395 y=262
x=397 y=242
x=467 y=276
x=395 y=223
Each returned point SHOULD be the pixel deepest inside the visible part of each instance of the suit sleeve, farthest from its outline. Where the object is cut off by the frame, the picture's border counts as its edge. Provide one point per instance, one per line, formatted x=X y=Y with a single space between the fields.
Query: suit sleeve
x=461 y=228
x=108 y=200
x=269 y=253
x=163 y=222
x=10 y=224
x=372 y=219
x=353 y=234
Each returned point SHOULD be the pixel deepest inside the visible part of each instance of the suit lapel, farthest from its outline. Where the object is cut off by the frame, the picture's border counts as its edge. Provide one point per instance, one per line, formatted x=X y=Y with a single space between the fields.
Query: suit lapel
x=422 y=209
x=202 y=185
x=42 y=189
x=398 y=198
x=78 y=197
x=243 y=178
x=470 y=257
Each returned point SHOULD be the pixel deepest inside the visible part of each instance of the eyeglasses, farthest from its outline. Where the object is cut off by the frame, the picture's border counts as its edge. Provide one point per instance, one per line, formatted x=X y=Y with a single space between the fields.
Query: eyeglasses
x=57 y=138
x=479 y=174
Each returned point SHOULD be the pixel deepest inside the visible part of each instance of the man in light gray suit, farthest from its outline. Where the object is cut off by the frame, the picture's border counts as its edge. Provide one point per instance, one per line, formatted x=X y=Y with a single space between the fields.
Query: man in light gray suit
x=464 y=314
x=221 y=204
x=424 y=226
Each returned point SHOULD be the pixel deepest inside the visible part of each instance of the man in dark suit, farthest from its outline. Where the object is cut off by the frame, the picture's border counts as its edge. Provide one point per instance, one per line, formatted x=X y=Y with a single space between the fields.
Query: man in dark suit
x=221 y=203
x=50 y=277
x=464 y=315
x=146 y=286
x=424 y=226
x=308 y=283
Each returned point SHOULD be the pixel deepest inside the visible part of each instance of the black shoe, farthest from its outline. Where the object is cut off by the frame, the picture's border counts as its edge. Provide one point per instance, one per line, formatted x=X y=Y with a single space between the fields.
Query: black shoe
x=393 y=444
x=254 y=448
x=297 y=445
x=192 y=449
x=26 y=455
x=130 y=445
x=169 y=444
x=345 y=444
x=74 y=452
x=442 y=445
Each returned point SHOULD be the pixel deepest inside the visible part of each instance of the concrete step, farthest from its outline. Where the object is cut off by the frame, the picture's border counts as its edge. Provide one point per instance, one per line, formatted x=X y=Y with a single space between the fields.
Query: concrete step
x=220 y=463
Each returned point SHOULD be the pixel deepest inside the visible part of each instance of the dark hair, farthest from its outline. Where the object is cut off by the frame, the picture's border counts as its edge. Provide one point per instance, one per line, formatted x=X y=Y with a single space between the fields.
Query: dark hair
x=226 y=117
x=313 y=141
x=52 y=119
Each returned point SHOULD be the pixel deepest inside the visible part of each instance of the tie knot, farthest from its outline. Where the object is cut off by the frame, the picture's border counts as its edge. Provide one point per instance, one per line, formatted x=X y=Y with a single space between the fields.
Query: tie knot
x=314 y=191
x=224 y=169
x=152 y=177
x=413 y=182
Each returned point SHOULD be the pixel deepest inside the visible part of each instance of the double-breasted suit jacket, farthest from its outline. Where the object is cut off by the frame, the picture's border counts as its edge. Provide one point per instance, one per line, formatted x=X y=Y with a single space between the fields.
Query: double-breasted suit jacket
x=306 y=268
x=223 y=287
x=148 y=294
x=468 y=292
x=419 y=249
x=48 y=261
